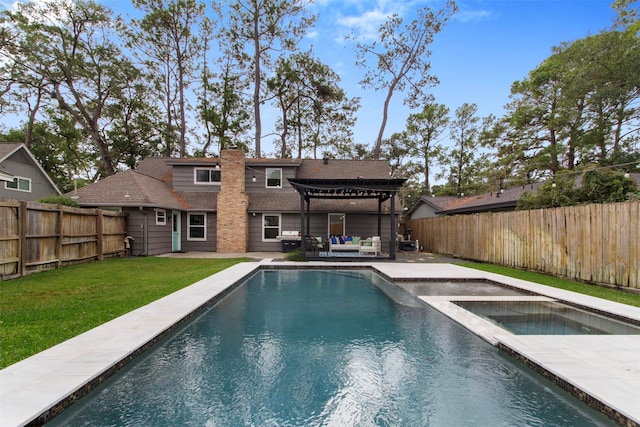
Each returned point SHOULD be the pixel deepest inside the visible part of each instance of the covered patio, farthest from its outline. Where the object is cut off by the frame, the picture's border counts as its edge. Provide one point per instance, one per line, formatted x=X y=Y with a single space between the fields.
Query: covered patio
x=344 y=189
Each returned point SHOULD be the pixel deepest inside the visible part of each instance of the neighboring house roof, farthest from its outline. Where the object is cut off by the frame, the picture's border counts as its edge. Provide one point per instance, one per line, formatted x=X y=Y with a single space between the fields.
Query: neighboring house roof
x=130 y=189
x=488 y=202
x=7 y=150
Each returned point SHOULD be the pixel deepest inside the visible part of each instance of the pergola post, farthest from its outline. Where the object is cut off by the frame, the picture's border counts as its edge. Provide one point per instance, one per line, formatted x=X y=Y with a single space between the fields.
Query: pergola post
x=392 y=249
x=309 y=216
x=303 y=231
x=379 y=216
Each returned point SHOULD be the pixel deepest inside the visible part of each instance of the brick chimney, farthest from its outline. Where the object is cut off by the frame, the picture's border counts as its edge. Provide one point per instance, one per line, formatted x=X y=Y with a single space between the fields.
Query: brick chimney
x=232 y=225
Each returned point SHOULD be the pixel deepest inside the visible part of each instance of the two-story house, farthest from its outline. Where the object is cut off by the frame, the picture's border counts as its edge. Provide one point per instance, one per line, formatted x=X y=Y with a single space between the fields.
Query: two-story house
x=234 y=204
x=22 y=176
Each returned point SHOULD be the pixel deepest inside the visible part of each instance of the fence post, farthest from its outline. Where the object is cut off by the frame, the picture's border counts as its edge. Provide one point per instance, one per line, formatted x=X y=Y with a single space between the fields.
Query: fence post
x=22 y=224
x=100 y=234
x=60 y=232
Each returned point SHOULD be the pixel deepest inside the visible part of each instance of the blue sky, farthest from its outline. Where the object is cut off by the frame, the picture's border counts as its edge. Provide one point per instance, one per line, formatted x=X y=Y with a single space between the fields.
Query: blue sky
x=483 y=49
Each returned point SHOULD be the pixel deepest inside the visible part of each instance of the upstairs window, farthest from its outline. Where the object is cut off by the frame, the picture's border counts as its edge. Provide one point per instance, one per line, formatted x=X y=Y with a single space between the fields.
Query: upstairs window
x=206 y=176
x=274 y=178
x=19 y=184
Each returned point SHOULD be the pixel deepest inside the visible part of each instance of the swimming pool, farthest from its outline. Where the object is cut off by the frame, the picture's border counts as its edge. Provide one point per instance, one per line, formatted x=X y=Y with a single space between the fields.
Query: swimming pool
x=300 y=347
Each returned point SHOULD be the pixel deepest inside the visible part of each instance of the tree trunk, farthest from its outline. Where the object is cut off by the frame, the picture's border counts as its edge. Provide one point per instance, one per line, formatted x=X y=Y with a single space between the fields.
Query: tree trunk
x=257 y=82
x=183 y=125
x=385 y=116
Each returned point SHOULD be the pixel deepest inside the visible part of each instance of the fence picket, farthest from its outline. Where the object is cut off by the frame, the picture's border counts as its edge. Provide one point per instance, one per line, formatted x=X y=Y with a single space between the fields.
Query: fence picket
x=36 y=236
x=597 y=243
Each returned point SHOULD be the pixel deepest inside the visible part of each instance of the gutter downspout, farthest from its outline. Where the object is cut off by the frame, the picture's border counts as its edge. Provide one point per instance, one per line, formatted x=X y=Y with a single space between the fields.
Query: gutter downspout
x=144 y=231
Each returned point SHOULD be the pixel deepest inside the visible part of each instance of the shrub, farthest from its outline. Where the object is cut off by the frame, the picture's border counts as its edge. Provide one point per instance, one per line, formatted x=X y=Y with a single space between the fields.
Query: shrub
x=295 y=256
x=59 y=200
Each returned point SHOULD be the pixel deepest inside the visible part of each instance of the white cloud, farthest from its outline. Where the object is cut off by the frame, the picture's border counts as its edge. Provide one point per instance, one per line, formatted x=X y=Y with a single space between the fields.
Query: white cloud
x=473 y=15
x=365 y=25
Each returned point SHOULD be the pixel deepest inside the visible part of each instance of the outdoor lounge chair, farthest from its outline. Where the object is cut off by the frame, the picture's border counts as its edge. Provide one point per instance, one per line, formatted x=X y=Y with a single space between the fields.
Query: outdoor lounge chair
x=371 y=246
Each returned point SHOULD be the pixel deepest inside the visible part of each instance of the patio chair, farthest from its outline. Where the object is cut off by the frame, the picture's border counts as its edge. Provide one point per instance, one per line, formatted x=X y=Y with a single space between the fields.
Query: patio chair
x=313 y=244
x=372 y=245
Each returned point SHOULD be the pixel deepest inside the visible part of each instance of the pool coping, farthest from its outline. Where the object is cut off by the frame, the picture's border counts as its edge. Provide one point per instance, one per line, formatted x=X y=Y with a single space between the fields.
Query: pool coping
x=34 y=390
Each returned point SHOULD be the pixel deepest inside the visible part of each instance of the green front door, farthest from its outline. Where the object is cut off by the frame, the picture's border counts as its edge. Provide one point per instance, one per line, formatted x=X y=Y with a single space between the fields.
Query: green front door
x=175 y=234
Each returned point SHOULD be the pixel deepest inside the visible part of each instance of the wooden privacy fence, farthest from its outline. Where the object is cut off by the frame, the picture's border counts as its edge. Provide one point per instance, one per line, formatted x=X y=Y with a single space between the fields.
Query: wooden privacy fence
x=38 y=236
x=594 y=243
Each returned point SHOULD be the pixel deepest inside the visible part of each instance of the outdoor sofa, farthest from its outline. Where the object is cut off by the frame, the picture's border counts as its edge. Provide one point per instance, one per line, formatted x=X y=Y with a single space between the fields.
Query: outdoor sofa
x=371 y=245
x=344 y=243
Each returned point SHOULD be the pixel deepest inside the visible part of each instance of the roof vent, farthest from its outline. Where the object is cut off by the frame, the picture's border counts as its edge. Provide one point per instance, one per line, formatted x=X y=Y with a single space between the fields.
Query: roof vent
x=325 y=160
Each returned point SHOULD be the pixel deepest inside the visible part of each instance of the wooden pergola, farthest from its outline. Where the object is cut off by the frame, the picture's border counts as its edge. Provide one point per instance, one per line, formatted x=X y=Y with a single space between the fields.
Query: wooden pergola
x=359 y=188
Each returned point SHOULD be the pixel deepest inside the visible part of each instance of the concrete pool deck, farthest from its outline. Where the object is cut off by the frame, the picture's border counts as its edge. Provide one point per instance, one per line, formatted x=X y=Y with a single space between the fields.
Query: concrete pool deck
x=606 y=367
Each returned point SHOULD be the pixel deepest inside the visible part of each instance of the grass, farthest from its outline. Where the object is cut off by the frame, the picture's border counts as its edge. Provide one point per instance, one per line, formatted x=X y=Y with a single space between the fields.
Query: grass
x=44 y=309
x=569 y=285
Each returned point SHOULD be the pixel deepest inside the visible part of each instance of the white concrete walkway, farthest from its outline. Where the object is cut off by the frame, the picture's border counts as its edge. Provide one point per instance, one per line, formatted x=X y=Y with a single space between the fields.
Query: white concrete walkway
x=605 y=367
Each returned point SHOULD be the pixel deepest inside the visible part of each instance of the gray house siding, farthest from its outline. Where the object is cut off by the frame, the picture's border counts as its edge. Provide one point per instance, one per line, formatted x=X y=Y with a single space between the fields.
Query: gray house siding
x=159 y=236
x=423 y=211
x=193 y=245
x=183 y=179
x=260 y=185
x=20 y=165
x=135 y=228
x=289 y=222
x=366 y=225
x=149 y=238
x=363 y=225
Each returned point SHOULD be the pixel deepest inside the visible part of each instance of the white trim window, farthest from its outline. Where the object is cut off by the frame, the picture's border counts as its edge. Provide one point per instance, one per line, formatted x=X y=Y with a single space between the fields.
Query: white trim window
x=19 y=184
x=206 y=176
x=197 y=226
x=270 y=227
x=161 y=217
x=274 y=178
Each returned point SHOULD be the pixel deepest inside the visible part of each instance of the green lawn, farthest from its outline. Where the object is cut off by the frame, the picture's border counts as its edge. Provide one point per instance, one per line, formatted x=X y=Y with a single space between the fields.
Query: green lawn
x=570 y=285
x=44 y=309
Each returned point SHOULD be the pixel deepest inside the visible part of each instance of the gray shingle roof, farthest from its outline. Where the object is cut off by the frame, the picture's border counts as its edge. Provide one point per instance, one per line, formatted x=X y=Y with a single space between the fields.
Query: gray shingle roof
x=129 y=188
x=344 y=169
x=198 y=201
x=156 y=167
x=6 y=149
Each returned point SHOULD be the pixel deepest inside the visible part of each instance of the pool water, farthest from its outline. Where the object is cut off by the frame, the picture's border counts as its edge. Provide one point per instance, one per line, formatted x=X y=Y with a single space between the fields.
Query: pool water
x=546 y=318
x=456 y=288
x=324 y=348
